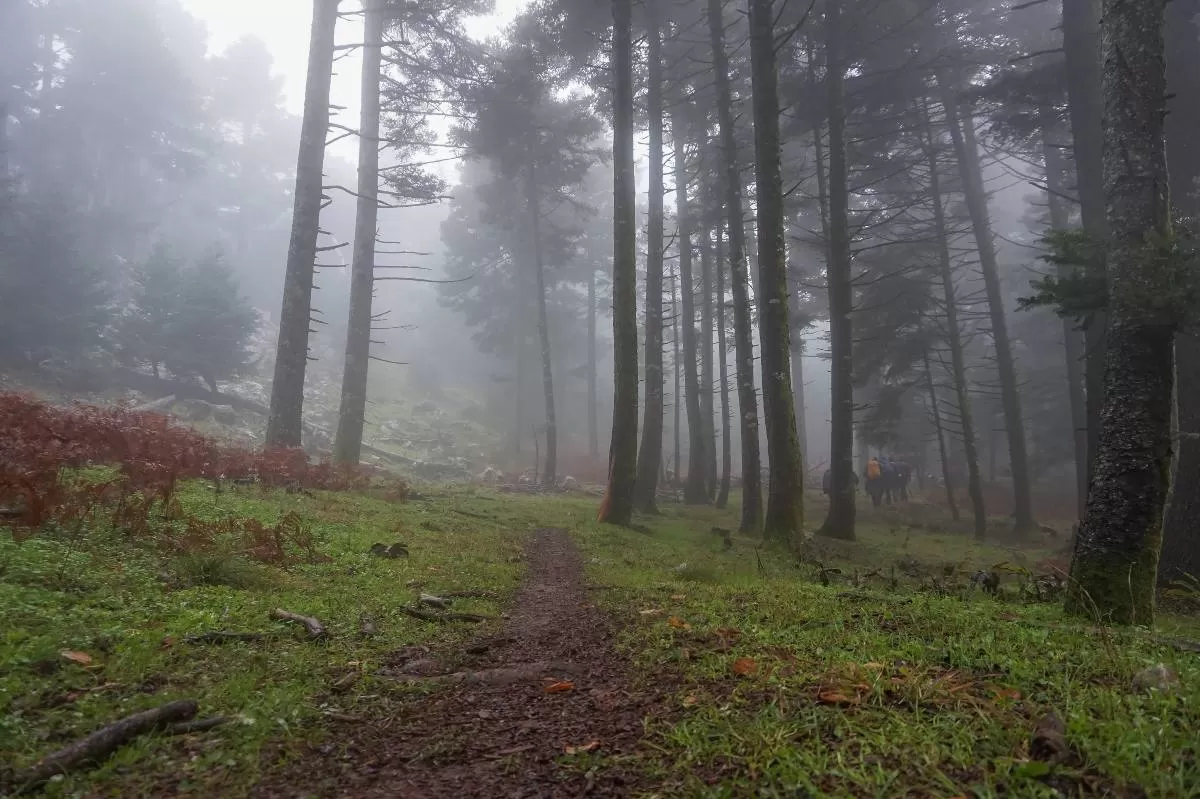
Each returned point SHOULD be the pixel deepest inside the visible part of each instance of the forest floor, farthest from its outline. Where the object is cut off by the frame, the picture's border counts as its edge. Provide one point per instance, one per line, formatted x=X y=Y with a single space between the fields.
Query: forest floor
x=610 y=662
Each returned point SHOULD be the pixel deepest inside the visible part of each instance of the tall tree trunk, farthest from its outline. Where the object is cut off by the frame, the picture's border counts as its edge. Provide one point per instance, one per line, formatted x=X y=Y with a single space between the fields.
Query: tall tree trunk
x=798 y=399
x=1073 y=344
x=676 y=396
x=285 y=420
x=940 y=430
x=1181 y=527
x=518 y=382
x=1081 y=49
x=958 y=361
x=723 y=364
x=784 y=519
x=962 y=132
x=743 y=333
x=1117 y=549
x=347 y=445
x=617 y=507
x=592 y=410
x=695 y=490
x=840 y=521
x=708 y=432
x=650 y=454
x=550 y=470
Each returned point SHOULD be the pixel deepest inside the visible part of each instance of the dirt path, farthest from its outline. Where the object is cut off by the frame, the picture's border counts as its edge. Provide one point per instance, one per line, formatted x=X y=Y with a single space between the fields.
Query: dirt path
x=500 y=732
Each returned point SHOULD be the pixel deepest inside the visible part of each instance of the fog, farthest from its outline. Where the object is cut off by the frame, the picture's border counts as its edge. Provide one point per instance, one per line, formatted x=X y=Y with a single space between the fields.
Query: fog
x=150 y=158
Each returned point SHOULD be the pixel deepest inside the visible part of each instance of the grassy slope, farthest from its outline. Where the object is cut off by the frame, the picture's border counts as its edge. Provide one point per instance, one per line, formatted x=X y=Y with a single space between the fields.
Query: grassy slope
x=856 y=691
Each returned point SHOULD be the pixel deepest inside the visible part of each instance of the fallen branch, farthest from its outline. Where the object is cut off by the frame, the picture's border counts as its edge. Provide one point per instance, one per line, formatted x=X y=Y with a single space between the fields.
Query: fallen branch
x=314 y=627
x=221 y=637
x=471 y=514
x=198 y=725
x=440 y=618
x=104 y=742
x=468 y=594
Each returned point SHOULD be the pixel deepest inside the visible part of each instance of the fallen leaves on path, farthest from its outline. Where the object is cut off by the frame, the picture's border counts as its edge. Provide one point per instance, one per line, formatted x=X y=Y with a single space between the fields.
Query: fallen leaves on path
x=678 y=623
x=744 y=667
x=559 y=687
x=587 y=747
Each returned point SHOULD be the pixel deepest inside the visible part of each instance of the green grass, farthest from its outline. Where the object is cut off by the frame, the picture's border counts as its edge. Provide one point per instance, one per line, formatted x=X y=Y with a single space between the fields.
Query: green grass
x=129 y=608
x=861 y=690
x=874 y=669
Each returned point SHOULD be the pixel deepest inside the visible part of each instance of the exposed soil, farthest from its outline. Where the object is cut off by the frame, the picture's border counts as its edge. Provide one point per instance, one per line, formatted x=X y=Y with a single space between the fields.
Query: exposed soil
x=503 y=727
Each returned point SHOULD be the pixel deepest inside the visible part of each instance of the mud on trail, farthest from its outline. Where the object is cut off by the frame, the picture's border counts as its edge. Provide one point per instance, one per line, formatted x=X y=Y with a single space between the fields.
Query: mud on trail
x=548 y=684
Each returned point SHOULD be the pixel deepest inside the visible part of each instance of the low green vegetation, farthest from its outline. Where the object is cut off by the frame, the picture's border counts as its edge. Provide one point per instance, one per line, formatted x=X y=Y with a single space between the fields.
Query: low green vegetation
x=872 y=668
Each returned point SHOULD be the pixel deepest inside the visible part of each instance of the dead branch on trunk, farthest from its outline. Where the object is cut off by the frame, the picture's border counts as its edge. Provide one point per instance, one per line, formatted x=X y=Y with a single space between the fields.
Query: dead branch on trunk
x=314 y=627
x=104 y=742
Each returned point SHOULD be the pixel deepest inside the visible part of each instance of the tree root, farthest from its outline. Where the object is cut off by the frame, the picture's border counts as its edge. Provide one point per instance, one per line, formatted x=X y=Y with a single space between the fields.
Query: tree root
x=314 y=627
x=104 y=742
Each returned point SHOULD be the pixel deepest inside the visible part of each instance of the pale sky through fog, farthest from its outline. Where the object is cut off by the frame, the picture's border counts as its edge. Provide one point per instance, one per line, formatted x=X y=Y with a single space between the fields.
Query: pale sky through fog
x=284 y=26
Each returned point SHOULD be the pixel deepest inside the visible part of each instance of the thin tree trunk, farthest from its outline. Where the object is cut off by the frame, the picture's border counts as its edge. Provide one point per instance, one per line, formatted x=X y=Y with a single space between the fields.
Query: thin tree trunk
x=518 y=382
x=285 y=421
x=695 y=491
x=1117 y=549
x=1073 y=344
x=840 y=521
x=958 y=362
x=962 y=132
x=592 y=410
x=676 y=396
x=347 y=445
x=650 y=454
x=1181 y=527
x=743 y=333
x=798 y=400
x=723 y=364
x=947 y=478
x=708 y=432
x=1081 y=49
x=617 y=507
x=784 y=519
x=550 y=470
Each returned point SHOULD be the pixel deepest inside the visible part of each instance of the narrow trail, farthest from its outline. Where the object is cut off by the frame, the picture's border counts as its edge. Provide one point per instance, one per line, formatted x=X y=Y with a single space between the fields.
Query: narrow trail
x=501 y=733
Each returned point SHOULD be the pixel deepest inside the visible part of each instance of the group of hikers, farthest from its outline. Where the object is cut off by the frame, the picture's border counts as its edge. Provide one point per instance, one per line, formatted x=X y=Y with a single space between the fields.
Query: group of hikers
x=887 y=480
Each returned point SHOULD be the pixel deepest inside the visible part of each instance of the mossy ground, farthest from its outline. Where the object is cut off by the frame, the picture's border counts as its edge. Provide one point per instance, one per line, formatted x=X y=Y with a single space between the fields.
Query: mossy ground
x=872 y=668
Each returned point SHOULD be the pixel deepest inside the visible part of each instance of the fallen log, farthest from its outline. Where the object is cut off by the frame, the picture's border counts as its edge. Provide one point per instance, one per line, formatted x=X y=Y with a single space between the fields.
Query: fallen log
x=440 y=618
x=314 y=627
x=104 y=742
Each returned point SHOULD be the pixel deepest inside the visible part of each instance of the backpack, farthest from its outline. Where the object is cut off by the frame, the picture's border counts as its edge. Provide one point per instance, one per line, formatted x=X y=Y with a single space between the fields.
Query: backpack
x=873 y=470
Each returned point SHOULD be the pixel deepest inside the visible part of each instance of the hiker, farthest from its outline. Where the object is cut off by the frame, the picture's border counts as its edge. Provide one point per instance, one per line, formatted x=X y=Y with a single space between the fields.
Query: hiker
x=904 y=475
x=888 y=468
x=875 y=481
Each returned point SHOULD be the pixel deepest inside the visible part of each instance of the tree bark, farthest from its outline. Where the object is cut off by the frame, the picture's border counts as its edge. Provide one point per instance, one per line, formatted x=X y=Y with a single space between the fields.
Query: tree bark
x=1117 y=548
x=285 y=422
x=592 y=410
x=940 y=430
x=347 y=445
x=549 y=471
x=798 y=400
x=650 y=454
x=962 y=132
x=954 y=335
x=617 y=507
x=784 y=519
x=695 y=491
x=1181 y=527
x=1081 y=48
x=707 y=386
x=743 y=334
x=840 y=521
x=723 y=363
x=676 y=396
x=1073 y=344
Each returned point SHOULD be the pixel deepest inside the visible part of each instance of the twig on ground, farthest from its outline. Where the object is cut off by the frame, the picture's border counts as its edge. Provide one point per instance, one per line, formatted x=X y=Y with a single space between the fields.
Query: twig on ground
x=471 y=514
x=314 y=627
x=104 y=742
x=439 y=618
x=198 y=725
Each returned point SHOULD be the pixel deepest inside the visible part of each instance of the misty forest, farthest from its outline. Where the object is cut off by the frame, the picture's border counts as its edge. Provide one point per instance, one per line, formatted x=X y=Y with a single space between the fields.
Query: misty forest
x=549 y=398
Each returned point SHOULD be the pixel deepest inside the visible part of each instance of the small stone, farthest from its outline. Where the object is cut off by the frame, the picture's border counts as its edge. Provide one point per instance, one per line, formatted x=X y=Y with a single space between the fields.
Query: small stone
x=1156 y=678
